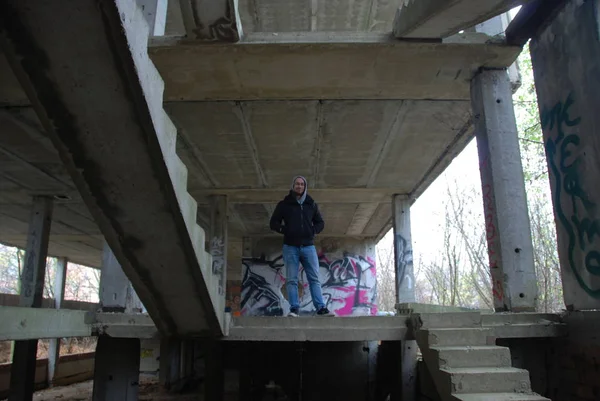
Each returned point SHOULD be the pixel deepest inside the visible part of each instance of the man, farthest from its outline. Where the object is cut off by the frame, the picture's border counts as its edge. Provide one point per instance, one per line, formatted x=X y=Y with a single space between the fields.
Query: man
x=301 y=221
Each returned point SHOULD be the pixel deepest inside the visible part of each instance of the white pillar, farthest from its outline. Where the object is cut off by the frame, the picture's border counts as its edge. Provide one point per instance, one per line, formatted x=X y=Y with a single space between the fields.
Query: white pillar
x=403 y=253
x=507 y=224
x=60 y=280
x=155 y=12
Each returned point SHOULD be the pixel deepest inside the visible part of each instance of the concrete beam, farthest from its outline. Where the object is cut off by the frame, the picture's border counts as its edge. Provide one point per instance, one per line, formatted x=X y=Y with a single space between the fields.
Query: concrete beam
x=442 y=18
x=508 y=230
x=136 y=201
x=20 y=323
x=433 y=71
x=212 y=20
x=367 y=328
x=274 y=195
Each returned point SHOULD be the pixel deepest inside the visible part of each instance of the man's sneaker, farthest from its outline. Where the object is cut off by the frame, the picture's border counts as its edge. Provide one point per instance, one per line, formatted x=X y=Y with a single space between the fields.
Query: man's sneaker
x=325 y=312
x=293 y=312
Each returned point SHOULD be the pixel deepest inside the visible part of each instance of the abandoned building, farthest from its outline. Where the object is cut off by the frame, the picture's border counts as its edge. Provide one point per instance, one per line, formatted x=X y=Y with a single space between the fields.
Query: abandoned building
x=152 y=139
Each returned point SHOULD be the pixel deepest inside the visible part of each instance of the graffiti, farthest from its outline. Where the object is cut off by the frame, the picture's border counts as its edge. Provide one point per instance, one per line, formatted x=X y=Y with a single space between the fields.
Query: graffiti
x=404 y=260
x=575 y=211
x=217 y=251
x=348 y=284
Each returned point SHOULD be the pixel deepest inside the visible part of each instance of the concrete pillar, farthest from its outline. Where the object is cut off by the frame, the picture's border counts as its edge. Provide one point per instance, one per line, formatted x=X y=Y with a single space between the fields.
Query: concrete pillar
x=170 y=362
x=508 y=230
x=405 y=291
x=116 y=292
x=22 y=378
x=60 y=280
x=566 y=65
x=403 y=254
x=218 y=240
x=117 y=362
x=214 y=378
x=155 y=12
x=116 y=369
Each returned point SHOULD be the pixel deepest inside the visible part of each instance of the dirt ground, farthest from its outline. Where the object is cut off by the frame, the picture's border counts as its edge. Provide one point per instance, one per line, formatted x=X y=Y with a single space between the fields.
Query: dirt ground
x=149 y=391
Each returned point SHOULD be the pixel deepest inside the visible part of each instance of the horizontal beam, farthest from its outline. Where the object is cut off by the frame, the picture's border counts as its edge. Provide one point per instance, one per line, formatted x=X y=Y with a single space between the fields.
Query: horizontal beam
x=20 y=323
x=530 y=19
x=441 y=18
x=379 y=70
x=321 y=196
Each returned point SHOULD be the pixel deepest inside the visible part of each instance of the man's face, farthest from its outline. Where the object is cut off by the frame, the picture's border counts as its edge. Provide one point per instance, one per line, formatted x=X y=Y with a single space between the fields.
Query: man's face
x=299 y=186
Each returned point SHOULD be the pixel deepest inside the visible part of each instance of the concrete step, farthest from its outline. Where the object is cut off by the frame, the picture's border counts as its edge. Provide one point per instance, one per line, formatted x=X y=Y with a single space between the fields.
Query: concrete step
x=499 y=397
x=489 y=319
x=428 y=338
x=471 y=356
x=484 y=380
x=446 y=320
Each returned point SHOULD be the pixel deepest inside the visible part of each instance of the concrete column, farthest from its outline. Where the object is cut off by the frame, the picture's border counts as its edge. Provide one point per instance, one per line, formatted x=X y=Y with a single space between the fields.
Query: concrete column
x=218 y=240
x=116 y=369
x=116 y=292
x=60 y=280
x=117 y=363
x=170 y=362
x=566 y=65
x=405 y=291
x=214 y=379
x=508 y=230
x=403 y=254
x=155 y=12
x=22 y=378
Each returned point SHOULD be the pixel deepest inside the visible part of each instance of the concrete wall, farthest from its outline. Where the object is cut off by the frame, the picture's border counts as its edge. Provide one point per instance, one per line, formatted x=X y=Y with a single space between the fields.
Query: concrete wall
x=347 y=273
x=567 y=70
x=567 y=368
x=71 y=369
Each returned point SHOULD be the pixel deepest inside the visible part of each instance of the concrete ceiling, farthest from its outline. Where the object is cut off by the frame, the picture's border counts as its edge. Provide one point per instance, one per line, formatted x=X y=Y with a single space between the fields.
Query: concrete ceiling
x=361 y=121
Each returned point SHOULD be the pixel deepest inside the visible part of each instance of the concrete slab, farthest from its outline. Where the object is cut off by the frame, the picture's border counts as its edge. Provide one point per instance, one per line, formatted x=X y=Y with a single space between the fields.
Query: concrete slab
x=499 y=397
x=368 y=328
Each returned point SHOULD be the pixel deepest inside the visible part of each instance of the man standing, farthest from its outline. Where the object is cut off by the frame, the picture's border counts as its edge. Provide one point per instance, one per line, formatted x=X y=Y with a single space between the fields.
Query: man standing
x=301 y=221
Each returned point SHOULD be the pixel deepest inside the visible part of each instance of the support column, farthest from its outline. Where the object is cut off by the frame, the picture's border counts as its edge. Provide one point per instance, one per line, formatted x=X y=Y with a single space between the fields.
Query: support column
x=117 y=362
x=60 y=280
x=155 y=12
x=218 y=242
x=170 y=363
x=508 y=231
x=214 y=384
x=405 y=291
x=22 y=377
x=116 y=369
x=403 y=254
x=566 y=65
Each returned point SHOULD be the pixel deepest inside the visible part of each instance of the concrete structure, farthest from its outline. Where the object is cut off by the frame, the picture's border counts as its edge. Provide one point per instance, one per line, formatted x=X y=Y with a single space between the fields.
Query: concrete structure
x=148 y=144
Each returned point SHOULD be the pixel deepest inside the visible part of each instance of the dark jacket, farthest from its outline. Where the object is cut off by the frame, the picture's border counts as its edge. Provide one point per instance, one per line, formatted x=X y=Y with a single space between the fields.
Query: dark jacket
x=300 y=222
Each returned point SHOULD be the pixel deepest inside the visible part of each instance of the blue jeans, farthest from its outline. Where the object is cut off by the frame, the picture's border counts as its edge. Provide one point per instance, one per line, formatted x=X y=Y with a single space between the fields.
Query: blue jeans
x=307 y=255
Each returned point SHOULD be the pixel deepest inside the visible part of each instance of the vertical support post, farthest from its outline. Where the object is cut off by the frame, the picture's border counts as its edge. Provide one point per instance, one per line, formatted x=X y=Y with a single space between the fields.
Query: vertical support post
x=566 y=67
x=405 y=291
x=246 y=247
x=22 y=378
x=117 y=362
x=116 y=369
x=116 y=292
x=169 y=373
x=59 y=295
x=508 y=230
x=218 y=242
x=215 y=372
x=403 y=254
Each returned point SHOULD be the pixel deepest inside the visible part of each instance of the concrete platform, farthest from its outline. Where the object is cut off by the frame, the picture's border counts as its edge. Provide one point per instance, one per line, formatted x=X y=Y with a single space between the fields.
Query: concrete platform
x=362 y=328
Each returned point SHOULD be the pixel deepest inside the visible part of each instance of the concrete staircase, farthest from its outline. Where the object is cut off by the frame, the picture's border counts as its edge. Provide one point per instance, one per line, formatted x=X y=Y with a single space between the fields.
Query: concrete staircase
x=463 y=364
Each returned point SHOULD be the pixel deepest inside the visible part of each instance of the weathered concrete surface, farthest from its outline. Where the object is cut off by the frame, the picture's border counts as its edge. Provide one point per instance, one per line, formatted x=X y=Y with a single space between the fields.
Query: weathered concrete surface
x=116 y=369
x=567 y=76
x=399 y=70
x=441 y=18
x=403 y=250
x=318 y=328
x=32 y=323
x=211 y=20
x=123 y=156
x=508 y=231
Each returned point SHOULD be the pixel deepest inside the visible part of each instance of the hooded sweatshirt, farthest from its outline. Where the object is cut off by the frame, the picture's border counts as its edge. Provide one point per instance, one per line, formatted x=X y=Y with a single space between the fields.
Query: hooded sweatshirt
x=298 y=219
